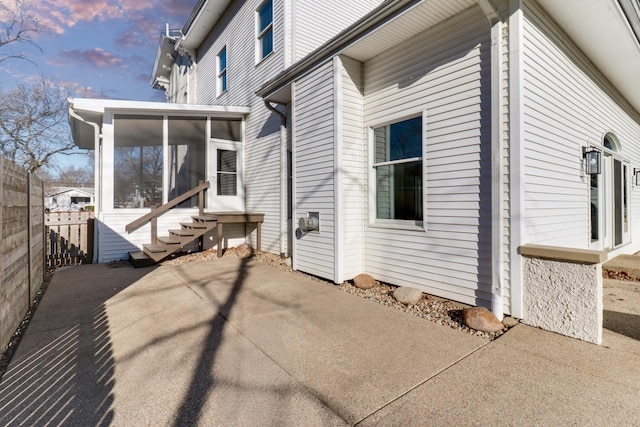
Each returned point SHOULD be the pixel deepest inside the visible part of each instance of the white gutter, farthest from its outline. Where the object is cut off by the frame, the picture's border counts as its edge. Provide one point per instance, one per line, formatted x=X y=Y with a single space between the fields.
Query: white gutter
x=497 y=214
x=97 y=181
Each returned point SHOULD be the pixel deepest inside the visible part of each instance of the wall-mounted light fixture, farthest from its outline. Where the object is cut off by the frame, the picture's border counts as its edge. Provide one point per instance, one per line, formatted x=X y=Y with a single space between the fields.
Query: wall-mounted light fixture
x=591 y=160
x=636 y=174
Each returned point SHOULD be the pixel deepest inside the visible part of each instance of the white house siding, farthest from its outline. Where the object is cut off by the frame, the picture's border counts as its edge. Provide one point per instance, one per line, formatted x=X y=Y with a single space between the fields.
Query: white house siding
x=445 y=71
x=262 y=131
x=353 y=168
x=567 y=105
x=115 y=243
x=313 y=139
x=315 y=22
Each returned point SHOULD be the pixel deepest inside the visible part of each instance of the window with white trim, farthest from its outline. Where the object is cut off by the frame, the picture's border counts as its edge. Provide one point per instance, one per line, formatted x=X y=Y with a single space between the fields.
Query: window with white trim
x=397 y=164
x=264 y=16
x=221 y=59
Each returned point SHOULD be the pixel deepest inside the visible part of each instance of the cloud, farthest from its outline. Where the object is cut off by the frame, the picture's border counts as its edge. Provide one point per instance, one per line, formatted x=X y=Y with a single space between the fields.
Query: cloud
x=57 y=16
x=95 y=57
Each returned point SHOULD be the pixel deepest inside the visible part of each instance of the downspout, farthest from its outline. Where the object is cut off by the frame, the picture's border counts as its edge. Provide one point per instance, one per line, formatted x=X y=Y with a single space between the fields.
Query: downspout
x=283 y=174
x=497 y=215
x=96 y=178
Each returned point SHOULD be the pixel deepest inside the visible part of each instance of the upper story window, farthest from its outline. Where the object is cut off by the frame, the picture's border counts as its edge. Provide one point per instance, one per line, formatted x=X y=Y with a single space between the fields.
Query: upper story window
x=398 y=159
x=222 y=71
x=265 y=29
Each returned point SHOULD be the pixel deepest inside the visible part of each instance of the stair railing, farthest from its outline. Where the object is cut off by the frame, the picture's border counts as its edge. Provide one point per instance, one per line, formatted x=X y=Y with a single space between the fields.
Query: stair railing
x=152 y=216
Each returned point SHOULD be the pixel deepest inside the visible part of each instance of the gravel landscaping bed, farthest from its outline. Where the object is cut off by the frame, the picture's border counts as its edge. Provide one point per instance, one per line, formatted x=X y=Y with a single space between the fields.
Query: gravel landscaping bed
x=439 y=310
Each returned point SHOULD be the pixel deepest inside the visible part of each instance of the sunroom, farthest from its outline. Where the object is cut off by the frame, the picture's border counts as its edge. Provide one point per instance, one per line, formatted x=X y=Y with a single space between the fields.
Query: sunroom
x=152 y=155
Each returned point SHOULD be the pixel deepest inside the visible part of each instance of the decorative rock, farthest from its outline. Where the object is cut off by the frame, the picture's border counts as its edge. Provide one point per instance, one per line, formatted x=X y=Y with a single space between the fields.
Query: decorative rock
x=364 y=281
x=244 y=251
x=510 y=322
x=481 y=319
x=407 y=295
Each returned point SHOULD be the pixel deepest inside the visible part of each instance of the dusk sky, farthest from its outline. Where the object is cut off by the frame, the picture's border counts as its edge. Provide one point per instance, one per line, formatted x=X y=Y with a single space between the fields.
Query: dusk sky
x=105 y=46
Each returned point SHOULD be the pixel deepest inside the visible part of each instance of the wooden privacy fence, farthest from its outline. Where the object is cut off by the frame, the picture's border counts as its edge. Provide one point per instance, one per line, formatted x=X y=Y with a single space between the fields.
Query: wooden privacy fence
x=69 y=238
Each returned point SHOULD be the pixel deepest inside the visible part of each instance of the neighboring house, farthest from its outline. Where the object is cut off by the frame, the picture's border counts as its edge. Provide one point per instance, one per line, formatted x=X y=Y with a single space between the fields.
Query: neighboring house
x=66 y=199
x=485 y=151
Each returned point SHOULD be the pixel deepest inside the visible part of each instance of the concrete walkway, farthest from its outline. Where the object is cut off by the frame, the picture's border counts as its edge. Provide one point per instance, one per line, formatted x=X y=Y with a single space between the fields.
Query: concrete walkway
x=232 y=342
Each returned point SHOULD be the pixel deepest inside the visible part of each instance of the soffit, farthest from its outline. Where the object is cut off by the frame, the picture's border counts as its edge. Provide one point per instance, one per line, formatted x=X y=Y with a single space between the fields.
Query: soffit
x=603 y=31
x=417 y=19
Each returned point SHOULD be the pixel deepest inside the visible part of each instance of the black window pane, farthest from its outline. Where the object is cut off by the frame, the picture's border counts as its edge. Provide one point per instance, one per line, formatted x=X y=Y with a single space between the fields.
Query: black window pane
x=230 y=130
x=227 y=184
x=399 y=191
x=267 y=43
x=406 y=139
x=265 y=16
x=227 y=161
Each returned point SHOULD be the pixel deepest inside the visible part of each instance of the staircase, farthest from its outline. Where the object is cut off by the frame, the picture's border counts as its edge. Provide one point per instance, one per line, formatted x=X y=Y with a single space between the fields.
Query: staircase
x=177 y=239
x=163 y=246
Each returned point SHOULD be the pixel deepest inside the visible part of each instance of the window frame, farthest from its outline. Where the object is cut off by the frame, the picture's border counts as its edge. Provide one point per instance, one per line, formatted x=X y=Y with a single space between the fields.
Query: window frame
x=374 y=221
x=260 y=34
x=222 y=84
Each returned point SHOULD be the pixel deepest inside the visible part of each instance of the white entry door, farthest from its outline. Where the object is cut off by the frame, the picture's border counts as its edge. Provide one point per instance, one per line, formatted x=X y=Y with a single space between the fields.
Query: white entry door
x=610 y=204
x=224 y=164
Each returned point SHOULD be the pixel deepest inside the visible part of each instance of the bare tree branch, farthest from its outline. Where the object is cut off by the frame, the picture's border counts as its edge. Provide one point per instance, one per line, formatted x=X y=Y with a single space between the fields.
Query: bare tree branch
x=33 y=123
x=17 y=27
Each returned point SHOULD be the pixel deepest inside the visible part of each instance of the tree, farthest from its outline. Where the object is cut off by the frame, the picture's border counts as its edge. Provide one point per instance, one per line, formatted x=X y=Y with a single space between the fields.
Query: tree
x=17 y=26
x=33 y=123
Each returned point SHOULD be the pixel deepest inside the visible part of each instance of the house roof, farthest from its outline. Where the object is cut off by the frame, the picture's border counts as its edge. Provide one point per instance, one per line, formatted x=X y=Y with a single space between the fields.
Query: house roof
x=204 y=17
x=84 y=111
x=165 y=55
x=88 y=191
x=607 y=31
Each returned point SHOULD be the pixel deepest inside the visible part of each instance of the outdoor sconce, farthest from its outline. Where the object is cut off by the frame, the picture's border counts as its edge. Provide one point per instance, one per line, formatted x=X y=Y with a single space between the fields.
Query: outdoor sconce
x=592 y=160
x=636 y=174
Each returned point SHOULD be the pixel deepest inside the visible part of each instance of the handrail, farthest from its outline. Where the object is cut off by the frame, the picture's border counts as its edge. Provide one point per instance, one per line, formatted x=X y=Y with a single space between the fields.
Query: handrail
x=132 y=226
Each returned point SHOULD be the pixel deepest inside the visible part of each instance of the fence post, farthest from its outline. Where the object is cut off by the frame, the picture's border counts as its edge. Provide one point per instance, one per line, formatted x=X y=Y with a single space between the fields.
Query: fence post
x=44 y=238
x=1 y=226
x=29 y=242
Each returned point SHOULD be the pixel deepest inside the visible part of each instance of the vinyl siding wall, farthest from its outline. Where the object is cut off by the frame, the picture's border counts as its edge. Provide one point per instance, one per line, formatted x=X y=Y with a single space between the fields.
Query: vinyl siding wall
x=353 y=167
x=236 y=30
x=445 y=71
x=567 y=105
x=313 y=150
x=115 y=242
x=315 y=22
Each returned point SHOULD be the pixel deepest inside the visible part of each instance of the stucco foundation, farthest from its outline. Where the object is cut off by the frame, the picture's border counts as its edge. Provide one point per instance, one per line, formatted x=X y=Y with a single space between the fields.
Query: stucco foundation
x=562 y=292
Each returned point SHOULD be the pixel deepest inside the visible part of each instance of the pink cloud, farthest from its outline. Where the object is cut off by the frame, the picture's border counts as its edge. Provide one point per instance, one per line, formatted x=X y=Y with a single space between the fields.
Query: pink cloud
x=94 y=57
x=58 y=16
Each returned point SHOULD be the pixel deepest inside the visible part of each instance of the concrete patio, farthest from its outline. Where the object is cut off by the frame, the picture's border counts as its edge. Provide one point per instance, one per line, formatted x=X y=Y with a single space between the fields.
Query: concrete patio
x=236 y=342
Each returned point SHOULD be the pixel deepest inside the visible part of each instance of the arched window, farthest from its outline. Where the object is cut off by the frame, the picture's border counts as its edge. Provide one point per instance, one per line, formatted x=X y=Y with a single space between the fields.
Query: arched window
x=611 y=142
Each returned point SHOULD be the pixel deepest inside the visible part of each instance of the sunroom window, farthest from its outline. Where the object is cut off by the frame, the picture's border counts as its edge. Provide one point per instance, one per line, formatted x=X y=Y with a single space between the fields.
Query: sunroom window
x=137 y=162
x=398 y=170
x=265 y=29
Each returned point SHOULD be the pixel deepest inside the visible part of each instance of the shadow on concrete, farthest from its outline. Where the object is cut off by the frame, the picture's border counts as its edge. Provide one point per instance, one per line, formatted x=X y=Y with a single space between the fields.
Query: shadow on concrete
x=202 y=381
x=69 y=377
x=622 y=323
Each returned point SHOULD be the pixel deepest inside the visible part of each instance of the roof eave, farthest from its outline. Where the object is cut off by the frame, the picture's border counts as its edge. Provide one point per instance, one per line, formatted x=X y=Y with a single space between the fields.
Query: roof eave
x=202 y=20
x=388 y=10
